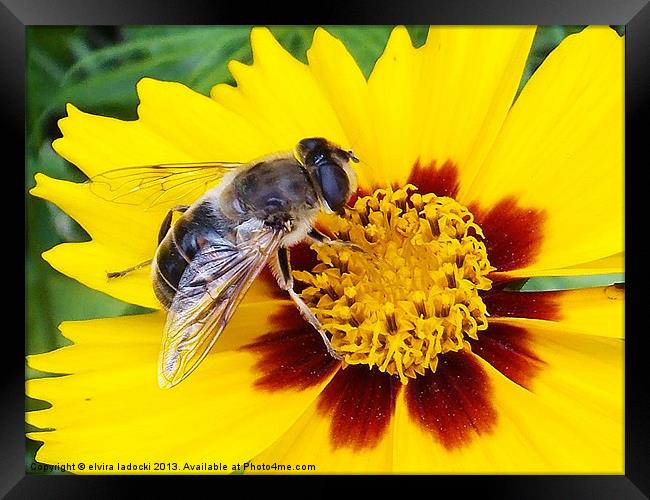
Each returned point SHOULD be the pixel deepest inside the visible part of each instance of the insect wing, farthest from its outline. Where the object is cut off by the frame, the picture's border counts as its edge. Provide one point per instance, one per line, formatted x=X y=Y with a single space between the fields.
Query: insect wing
x=159 y=185
x=210 y=290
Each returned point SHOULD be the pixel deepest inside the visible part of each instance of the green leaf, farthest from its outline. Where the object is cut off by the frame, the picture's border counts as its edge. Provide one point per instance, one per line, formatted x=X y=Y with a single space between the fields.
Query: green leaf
x=571 y=282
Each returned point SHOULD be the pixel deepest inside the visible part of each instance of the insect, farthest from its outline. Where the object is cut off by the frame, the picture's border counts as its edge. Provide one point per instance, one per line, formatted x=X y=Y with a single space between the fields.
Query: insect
x=209 y=257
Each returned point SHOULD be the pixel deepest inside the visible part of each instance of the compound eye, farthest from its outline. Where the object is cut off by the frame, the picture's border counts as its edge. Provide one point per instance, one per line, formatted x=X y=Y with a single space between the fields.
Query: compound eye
x=312 y=143
x=335 y=185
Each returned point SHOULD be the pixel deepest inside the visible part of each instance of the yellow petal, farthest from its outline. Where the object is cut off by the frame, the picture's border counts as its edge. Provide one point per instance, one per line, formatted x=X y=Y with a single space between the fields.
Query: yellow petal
x=582 y=381
x=103 y=220
x=279 y=95
x=97 y=144
x=89 y=263
x=571 y=421
x=347 y=429
x=469 y=79
x=392 y=88
x=594 y=311
x=346 y=89
x=111 y=409
x=175 y=124
x=560 y=153
x=197 y=125
x=112 y=248
x=614 y=264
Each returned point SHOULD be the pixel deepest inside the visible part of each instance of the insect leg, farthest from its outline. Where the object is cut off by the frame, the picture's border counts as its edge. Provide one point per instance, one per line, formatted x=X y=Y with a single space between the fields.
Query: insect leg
x=166 y=224
x=167 y=221
x=285 y=280
x=317 y=237
x=282 y=269
x=119 y=274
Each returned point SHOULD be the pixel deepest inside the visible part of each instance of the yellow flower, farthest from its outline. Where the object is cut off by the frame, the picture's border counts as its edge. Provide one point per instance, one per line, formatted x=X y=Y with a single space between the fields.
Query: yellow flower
x=461 y=191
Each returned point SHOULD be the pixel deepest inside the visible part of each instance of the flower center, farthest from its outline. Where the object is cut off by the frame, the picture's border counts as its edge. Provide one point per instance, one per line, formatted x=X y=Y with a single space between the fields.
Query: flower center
x=412 y=294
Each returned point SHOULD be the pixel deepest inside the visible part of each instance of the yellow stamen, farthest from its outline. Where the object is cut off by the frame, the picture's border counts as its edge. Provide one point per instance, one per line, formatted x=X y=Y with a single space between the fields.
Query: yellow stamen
x=412 y=294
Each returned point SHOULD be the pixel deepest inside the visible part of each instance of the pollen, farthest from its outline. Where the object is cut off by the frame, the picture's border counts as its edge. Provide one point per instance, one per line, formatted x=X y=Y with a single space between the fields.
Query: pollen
x=407 y=291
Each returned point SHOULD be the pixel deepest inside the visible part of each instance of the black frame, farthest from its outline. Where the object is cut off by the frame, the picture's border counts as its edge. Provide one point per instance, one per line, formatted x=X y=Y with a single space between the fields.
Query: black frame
x=634 y=14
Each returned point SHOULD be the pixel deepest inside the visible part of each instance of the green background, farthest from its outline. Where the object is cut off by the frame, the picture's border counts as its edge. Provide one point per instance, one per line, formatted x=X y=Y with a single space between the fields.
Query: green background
x=96 y=69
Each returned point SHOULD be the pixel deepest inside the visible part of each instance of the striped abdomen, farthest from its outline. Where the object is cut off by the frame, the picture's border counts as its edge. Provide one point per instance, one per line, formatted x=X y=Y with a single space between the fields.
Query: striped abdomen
x=201 y=223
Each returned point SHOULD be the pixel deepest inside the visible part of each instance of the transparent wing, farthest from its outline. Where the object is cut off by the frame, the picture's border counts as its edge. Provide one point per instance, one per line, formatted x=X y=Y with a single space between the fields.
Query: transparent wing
x=209 y=291
x=159 y=185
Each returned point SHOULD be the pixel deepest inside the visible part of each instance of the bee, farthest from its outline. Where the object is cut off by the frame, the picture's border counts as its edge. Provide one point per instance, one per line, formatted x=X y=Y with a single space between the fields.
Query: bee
x=209 y=257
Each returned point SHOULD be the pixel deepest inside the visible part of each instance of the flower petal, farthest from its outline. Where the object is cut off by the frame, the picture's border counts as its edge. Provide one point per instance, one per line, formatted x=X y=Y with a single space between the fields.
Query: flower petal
x=342 y=81
x=279 y=95
x=292 y=356
x=347 y=429
x=196 y=124
x=97 y=144
x=89 y=262
x=393 y=107
x=454 y=404
x=570 y=421
x=103 y=220
x=595 y=311
x=112 y=248
x=613 y=264
x=469 y=79
x=176 y=124
x=581 y=382
x=111 y=410
x=509 y=349
x=514 y=235
x=560 y=154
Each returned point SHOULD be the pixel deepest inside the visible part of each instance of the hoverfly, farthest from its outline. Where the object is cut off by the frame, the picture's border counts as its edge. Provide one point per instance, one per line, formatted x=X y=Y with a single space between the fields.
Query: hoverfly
x=207 y=260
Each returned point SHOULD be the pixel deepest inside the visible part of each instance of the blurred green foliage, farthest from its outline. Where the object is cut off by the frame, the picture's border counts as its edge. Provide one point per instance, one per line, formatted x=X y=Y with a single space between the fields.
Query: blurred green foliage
x=96 y=68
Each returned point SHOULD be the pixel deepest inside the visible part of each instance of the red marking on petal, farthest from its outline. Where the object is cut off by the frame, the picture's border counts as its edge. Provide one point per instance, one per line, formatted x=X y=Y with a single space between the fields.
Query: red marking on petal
x=533 y=305
x=302 y=257
x=513 y=235
x=442 y=181
x=292 y=355
x=507 y=348
x=360 y=403
x=453 y=404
